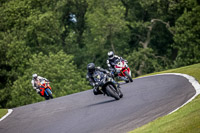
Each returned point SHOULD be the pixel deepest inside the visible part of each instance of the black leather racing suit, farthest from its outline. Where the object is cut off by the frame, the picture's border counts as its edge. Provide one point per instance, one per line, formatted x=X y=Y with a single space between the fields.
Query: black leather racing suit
x=91 y=79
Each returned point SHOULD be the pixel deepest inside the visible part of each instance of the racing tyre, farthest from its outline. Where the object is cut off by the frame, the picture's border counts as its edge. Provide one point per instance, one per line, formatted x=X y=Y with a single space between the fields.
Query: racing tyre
x=128 y=76
x=50 y=93
x=120 y=93
x=112 y=92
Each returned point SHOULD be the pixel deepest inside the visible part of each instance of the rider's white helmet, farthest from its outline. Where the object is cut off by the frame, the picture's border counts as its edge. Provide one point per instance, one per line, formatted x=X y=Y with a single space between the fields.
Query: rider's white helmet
x=110 y=54
x=35 y=76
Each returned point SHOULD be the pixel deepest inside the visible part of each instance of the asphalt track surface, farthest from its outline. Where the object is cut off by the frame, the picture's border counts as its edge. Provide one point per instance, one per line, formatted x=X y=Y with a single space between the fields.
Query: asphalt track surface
x=145 y=99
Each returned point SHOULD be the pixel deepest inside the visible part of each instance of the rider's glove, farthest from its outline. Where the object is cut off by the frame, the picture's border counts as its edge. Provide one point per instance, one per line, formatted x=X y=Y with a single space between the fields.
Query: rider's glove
x=107 y=72
x=93 y=84
x=98 y=67
x=126 y=61
x=38 y=90
x=46 y=80
x=96 y=84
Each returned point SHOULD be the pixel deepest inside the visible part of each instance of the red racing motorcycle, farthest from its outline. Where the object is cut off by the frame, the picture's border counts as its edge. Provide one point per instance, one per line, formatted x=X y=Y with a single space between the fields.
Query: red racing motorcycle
x=123 y=70
x=46 y=90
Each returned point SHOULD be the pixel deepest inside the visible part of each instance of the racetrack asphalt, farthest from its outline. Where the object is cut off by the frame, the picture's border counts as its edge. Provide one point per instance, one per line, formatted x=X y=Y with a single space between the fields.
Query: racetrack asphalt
x=145 y=99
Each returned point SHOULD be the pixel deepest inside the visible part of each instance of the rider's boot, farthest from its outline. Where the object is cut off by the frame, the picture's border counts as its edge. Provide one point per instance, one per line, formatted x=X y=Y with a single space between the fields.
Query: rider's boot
x=95 y=91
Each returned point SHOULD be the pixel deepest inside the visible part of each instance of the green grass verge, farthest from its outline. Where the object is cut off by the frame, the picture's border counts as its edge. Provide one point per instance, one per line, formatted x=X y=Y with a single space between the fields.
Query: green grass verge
x=3 y=112
x=186 y=119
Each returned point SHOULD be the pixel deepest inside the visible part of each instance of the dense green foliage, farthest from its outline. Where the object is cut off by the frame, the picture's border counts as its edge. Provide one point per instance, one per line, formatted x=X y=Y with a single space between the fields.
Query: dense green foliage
x=58 y=68
x=58 y=38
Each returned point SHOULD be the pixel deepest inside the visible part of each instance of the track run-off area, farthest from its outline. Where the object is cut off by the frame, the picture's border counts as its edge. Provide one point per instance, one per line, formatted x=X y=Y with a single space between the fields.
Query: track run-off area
x=145 y=99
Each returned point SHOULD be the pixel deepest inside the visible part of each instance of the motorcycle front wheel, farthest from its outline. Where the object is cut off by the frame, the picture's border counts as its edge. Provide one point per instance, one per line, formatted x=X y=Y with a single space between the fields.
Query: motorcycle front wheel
x=112 y=92
x=49 y=93
x=128 y=76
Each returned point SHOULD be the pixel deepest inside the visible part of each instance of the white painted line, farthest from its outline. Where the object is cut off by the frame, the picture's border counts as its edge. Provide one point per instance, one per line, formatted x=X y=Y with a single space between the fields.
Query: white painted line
x=191 y=79
x=194 y=83
x=9 y=112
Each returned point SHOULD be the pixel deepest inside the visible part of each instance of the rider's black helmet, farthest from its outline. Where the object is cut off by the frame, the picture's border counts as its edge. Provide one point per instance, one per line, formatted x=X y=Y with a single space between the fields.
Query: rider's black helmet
x=91 y=67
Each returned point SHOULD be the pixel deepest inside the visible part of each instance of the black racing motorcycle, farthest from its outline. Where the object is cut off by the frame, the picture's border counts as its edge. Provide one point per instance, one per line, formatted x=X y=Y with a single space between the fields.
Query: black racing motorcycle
x=106 y=85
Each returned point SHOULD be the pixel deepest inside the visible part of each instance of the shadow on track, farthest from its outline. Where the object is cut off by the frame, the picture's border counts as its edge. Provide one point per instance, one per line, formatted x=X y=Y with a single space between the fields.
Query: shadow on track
x=104 y=102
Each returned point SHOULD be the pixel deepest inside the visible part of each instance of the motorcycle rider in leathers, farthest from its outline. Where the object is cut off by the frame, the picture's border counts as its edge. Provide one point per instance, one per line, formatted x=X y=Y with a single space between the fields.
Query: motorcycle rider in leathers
x=35 y=81
x=91 y=69
x=110 y=63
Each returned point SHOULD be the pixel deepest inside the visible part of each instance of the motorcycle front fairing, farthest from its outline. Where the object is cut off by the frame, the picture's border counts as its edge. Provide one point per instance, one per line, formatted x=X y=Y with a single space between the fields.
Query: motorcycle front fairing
x=121 y=67
x=43 y=86
x=126 y=69
x=102 y=80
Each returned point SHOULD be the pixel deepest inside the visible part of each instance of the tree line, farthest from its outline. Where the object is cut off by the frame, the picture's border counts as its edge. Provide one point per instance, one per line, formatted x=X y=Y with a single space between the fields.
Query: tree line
x=58 y=38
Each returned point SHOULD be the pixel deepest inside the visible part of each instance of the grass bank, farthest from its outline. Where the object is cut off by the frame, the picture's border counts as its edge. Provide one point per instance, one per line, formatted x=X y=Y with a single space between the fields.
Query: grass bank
x=186 y=119
x=3 y=112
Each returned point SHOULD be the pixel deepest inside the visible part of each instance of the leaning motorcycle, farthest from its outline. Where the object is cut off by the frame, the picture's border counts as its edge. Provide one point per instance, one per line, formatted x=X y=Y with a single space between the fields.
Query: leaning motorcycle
x=123 y=70
x=106 y=85
x=46 y=90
